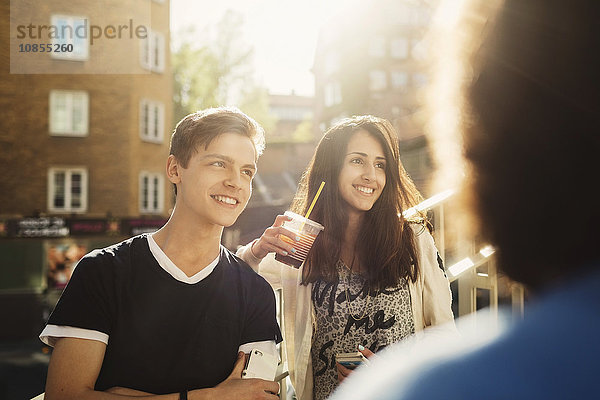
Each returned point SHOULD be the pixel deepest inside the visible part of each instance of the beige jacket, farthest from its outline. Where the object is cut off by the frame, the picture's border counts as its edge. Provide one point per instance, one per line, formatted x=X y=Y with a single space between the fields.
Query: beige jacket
x=430 y=297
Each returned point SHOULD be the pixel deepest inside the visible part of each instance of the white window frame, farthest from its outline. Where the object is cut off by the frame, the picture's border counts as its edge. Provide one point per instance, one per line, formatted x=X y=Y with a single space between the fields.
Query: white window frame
x=419 y=79
x=399 y=48
x=332 y=63
x=332 y=94
x=152 y=51
x=377 y=46
x=71 y=97
x=81 y=46
x=400 y=80
x=156 y=184
x=377 y=80
x=69 y=172
x=156 y=110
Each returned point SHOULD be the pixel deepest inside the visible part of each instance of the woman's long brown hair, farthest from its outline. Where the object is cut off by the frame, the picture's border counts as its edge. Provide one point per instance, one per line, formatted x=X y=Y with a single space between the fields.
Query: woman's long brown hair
x=385 y=245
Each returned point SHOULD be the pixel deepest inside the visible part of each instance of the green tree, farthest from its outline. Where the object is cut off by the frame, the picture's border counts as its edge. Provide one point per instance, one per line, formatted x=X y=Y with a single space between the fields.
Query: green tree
x=195 y=80
x=210 y=70
x=304 y=132
x=234 y=57
x=255 y=102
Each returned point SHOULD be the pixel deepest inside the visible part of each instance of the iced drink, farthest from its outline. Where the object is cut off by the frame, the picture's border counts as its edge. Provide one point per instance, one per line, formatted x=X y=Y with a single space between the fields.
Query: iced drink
x=307 y=231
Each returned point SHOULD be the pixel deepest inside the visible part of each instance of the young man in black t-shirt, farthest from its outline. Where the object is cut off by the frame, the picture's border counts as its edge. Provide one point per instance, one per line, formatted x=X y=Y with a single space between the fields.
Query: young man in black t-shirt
x=172 y=313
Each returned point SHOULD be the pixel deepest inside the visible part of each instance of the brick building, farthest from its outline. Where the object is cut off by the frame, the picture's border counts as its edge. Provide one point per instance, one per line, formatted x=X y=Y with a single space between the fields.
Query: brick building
x=84 y=136
x=293 y=113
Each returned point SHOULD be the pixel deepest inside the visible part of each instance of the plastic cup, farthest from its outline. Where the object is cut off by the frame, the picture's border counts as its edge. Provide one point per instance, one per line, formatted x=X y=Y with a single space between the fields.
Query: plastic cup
x=307 y=231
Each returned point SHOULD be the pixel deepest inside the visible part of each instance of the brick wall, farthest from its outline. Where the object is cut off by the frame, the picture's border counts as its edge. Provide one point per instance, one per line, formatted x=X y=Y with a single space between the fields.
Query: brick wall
x=112 y=152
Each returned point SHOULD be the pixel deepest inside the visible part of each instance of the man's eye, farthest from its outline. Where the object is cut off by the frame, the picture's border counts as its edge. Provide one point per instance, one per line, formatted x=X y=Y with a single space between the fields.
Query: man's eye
x=248 y=172
x=218 y=164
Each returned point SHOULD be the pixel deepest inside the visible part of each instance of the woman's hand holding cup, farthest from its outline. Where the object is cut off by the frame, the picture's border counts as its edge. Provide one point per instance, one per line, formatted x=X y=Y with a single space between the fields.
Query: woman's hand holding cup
x=271 y=242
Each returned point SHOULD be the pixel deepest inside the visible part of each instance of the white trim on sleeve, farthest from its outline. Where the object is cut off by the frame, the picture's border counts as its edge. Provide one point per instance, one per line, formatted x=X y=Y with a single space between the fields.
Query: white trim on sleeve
x=52 y=333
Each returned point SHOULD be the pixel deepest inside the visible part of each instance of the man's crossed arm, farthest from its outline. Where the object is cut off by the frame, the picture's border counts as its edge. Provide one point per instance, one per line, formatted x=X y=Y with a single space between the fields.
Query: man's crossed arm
x=75 y=366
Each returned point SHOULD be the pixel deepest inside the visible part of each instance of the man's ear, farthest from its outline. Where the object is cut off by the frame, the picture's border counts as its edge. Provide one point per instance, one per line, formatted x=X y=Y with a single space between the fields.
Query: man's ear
x=173 y=169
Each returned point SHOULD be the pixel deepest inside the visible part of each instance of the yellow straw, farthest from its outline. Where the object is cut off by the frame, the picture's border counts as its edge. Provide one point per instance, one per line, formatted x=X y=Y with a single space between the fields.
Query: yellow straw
x=314 y=200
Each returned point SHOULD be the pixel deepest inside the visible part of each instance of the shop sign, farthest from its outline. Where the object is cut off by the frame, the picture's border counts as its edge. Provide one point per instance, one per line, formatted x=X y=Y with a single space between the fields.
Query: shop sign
x=139 y=226
x=42 y=227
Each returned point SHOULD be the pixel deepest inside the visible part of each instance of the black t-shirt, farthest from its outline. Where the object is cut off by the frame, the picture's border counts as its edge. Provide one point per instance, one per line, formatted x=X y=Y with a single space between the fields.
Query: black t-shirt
x=165 y=335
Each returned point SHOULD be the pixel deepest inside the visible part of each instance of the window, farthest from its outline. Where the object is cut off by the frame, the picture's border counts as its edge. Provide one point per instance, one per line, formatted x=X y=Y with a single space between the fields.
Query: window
x=151 y=192
x=68 y=113
x=377 y=46
x=332 y=63
x=418 y=50
x=377 y=80
x=284 y=113
x=152 y=116
x=153 y=52
x=67 y=189
x=333 y=94
x=71 y=31
x=399 y=48
x=419 y=79
x=399 y=79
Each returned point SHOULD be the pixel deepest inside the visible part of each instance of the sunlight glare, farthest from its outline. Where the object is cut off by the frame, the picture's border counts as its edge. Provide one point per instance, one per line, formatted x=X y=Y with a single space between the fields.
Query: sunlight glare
x=461 y=266
x=283 y=33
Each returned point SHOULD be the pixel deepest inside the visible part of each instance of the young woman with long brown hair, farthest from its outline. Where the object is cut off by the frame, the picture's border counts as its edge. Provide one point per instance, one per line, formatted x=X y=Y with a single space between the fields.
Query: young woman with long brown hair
x=372 y=277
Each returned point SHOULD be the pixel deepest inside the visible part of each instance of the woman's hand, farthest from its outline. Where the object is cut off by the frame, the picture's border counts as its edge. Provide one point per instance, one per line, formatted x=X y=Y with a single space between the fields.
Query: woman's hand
x=271 y=242
x=343 y=372
x=366 y=352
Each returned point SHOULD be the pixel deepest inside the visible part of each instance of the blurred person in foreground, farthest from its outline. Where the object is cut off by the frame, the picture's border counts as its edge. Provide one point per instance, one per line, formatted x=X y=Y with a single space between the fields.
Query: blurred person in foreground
x=171 y=314
x=531 y=133
x=373 y=277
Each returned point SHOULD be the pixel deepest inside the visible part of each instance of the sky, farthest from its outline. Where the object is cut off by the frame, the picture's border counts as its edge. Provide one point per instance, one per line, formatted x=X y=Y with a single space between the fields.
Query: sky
x=283 y=33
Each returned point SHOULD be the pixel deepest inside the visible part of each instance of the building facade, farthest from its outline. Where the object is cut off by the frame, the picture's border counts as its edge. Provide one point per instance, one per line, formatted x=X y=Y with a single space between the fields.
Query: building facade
x=84 y=134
